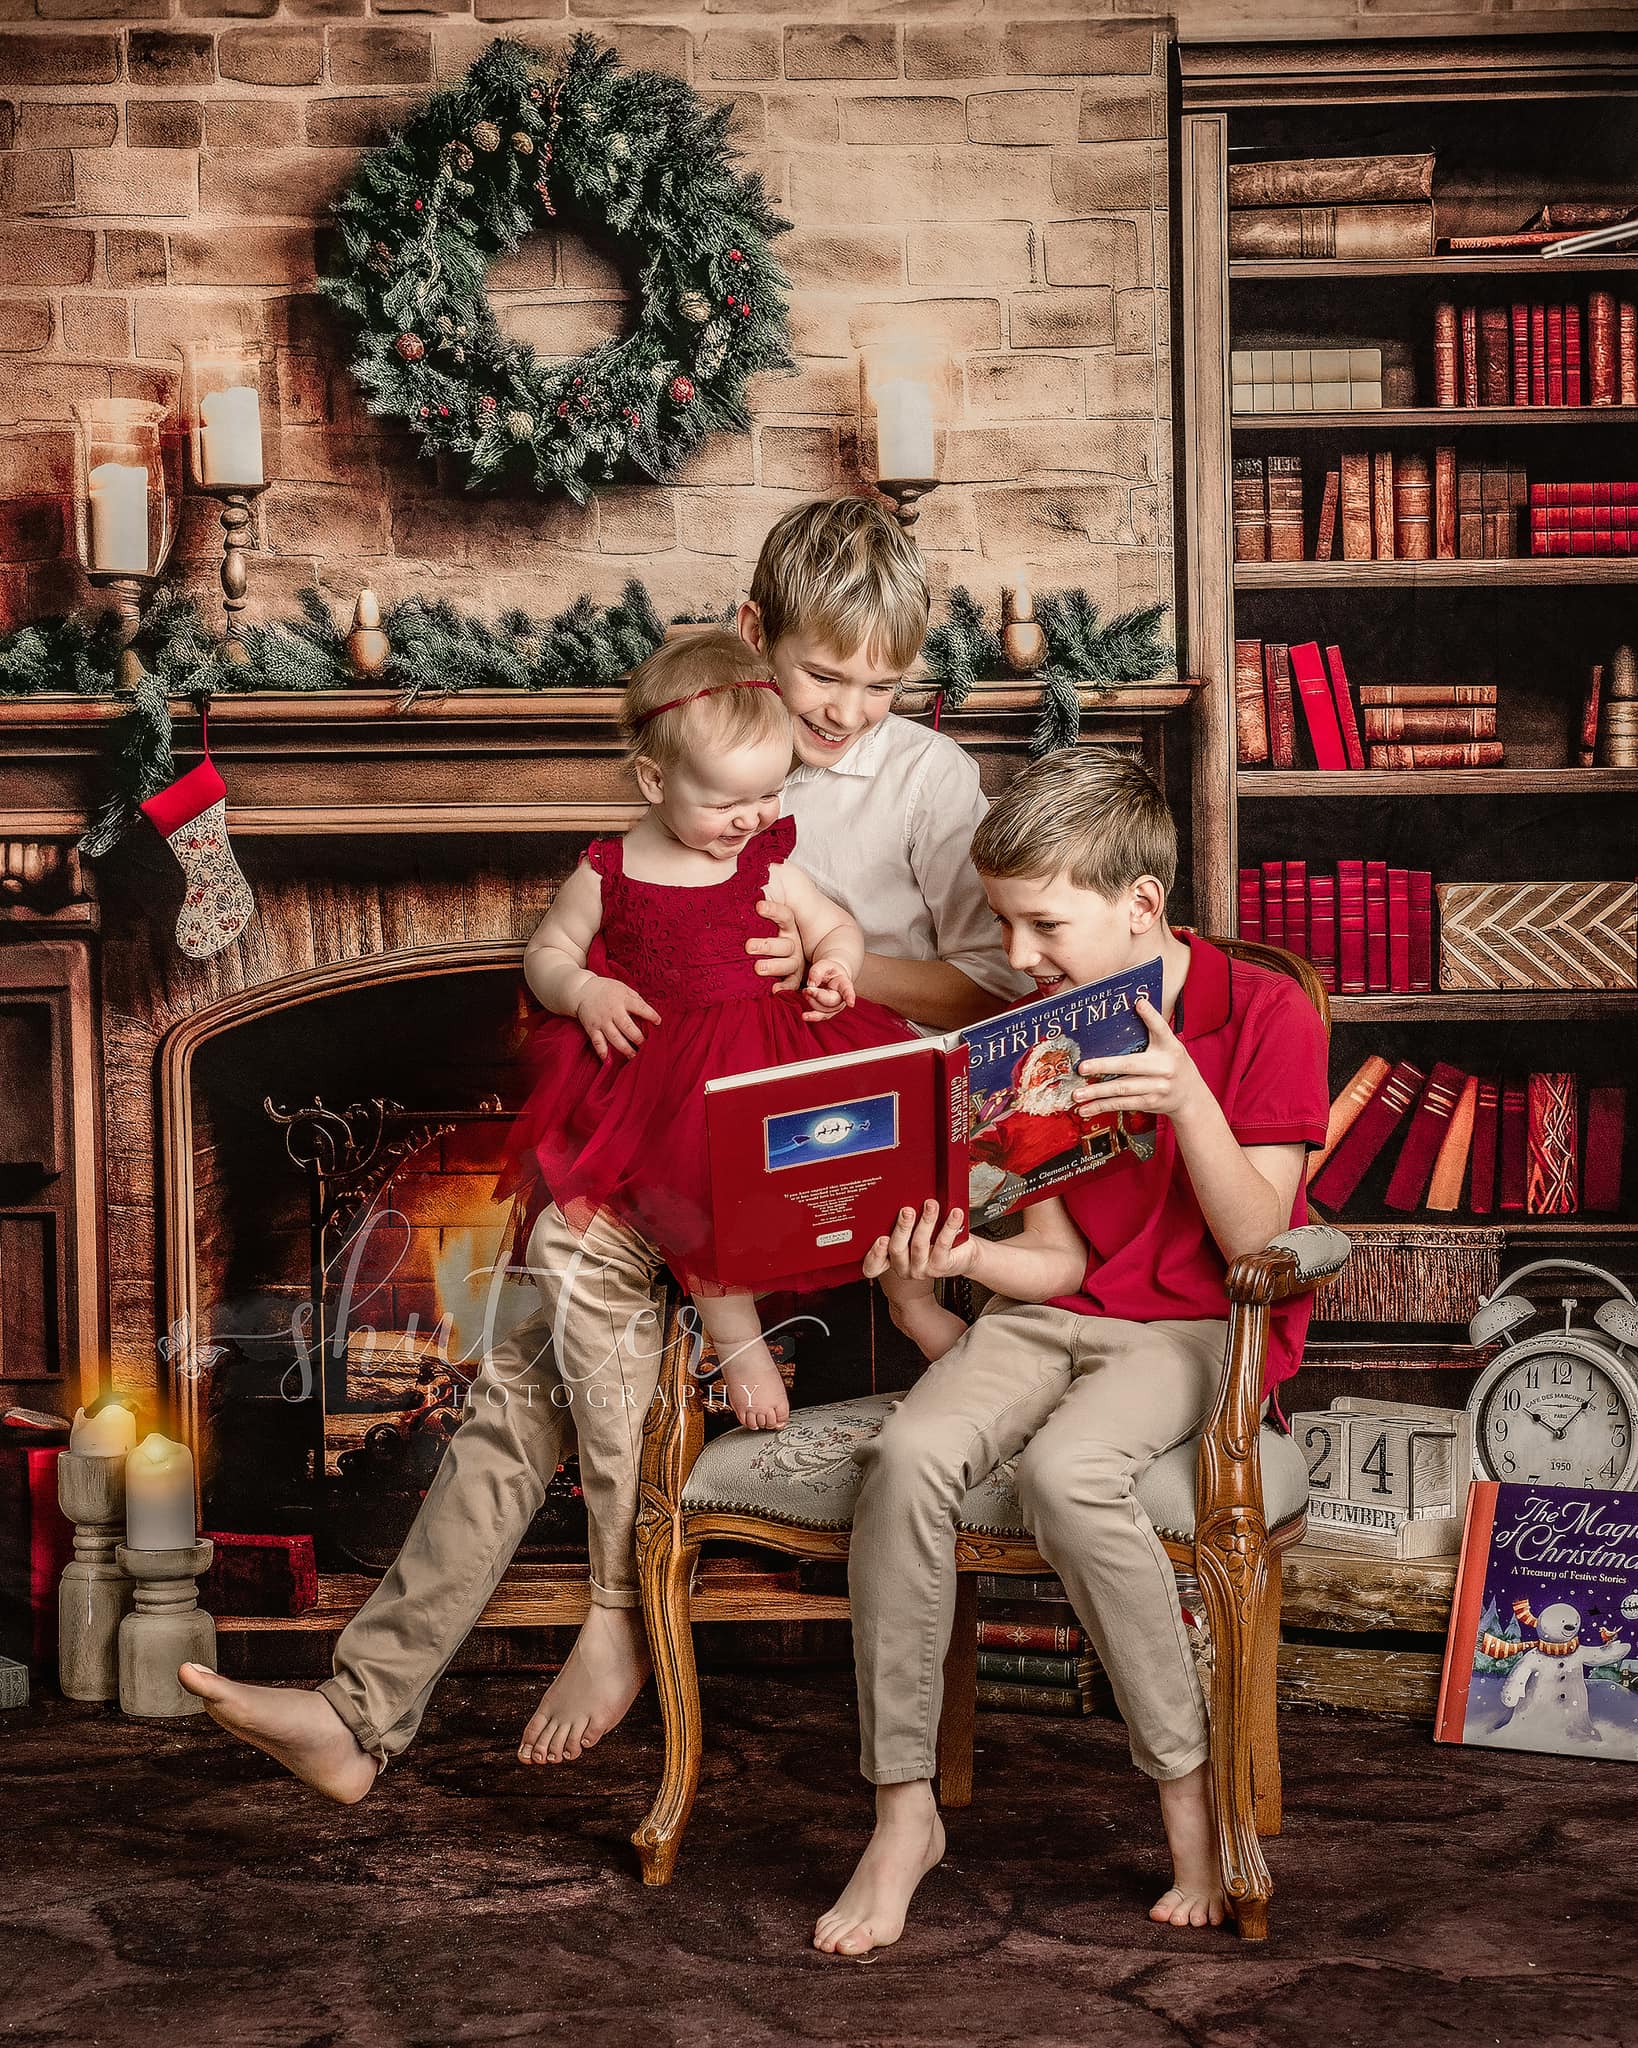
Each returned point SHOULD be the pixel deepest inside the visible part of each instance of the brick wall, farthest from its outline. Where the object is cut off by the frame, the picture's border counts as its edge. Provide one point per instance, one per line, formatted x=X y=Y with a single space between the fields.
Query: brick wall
x=997 y=177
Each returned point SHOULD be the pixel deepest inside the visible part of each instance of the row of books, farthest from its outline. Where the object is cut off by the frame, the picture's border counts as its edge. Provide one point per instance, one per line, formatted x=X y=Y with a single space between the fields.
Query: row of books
x=1399 y=726
x=1345 y=207
x=1367 y=929
x=1531 y=354
x=1305 y=379
x=1583 y=518
x=1609 y=712
x=1385 y=507
x=1508 y=1143
x=1033 y=1657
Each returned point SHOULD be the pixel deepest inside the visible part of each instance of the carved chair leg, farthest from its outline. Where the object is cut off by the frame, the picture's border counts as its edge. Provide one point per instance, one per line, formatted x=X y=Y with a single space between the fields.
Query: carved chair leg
x=1265 y=1728
x=957 y=1723
x=1233 y=1578
x=664 y=1565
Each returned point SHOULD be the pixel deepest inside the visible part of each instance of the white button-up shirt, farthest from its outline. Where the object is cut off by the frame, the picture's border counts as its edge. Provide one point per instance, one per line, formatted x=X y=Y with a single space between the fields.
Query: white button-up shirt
x=885 y=832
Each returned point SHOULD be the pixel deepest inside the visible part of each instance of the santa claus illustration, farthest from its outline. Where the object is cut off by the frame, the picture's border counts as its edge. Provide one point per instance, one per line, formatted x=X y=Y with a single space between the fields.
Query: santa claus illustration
x=1034 y=1121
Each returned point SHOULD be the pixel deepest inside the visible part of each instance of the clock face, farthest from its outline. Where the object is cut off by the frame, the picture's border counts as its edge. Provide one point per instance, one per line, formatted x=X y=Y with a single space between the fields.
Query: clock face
x=1558 y=1412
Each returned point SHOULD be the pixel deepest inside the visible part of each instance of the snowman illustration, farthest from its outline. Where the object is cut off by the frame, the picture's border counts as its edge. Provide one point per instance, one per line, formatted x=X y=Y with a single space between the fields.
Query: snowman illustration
x=1545 y=1696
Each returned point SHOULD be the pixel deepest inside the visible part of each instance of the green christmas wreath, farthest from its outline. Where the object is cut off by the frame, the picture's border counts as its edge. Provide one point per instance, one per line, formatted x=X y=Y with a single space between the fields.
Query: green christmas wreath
x=517 y=145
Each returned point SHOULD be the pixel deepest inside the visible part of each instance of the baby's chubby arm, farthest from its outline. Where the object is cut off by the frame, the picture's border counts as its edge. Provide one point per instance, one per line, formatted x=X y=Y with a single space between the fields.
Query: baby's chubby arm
x=832 y=940
x=554 y=965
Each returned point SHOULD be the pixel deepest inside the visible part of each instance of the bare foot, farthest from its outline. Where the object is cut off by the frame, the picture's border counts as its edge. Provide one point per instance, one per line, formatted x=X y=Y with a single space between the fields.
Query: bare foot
x=299 y=1729
x=756 y=1393
x=908 y=1842
x=605 y=1671
x=1196 y=1898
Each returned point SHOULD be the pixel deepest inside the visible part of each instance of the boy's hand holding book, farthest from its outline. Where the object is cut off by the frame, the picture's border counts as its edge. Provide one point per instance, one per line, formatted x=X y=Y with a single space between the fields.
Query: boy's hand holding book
x=612 y=1016
x=1161 y=1081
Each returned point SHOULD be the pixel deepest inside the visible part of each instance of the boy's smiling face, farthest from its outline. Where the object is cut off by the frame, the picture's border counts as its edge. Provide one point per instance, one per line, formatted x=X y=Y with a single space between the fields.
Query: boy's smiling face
x=833 y=699
x=1061 y=935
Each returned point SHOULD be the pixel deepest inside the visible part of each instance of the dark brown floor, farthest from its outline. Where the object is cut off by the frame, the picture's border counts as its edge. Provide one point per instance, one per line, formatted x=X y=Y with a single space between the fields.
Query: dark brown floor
x=161 y=1885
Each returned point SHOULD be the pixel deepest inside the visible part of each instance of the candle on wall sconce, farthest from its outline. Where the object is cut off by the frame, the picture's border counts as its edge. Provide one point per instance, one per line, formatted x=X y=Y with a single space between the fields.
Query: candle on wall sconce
x=126 y=480
x=222 y=402
x=904 y=397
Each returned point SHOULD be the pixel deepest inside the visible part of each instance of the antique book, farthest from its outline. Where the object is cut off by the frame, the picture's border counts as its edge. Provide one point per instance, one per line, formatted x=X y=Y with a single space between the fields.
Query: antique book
x=1450 y=1162
x=1427 y=693
x=1310 y=181
x=1627 y=354
x=1469 y=511
x=1519 y=321
x=1572 y=355
x=1606 y=1135
x=1444 y=504
x=1285 y=508
x=1282 y=714
x=1249 y=921
x=1376 y=924
x=1421 y=930
x=1412 y=509
x=1551 y=1177
x=1470 y=355
x=1555 y=355
x=1538 y=352
x=1040 y=1636
x=1318 y=705
x=1353 y=751
x=1250 y=507
x=1587 y=753
x=1602 y=374
x=1356 y=505
x=1362 y=1084
x=1322 y=930
x=1250 y=706
x=1296 y=907
x=1382 y=504
x=1325 y=540
x=1438 y=754
x=1428 y=1125
x=1273 y=902
x=1027 y=1667
x=1351 y=962
x=996 y=1697
x=1481 y=1199
x=1563 y=935
x=1399 y=976
x=1511 y=1158
x=1357 y=1151
x=1358 y=233
x=1446 y=359
x=1550 y=224
x=1430 y=722
x=1495 y=357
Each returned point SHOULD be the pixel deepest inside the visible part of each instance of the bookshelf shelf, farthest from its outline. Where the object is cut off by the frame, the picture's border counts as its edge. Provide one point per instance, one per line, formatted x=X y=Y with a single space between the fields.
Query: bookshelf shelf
x=1455 y=1224
x=1570 y=784
x=1437 y=417
x=1521 y=572
x=1447 y=269
x=1480 y=1005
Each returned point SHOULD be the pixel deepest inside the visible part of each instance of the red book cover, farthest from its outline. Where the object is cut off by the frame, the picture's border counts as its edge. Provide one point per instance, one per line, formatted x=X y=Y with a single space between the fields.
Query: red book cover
x=1538 y=355
x=1322 y=929
x=1551 y=1159
x=1347 y=718
x=1414 y=1167
x=1486 y=1128
x=1282 y=713
x=1318 y=706
x=1250 y=920
x=1370 y=1131
x=1467 y=1610
x=1521 y=354
x=1273 y=902
x=1627 y=355
x=1399 y=937
x=1421 y=930
x=1572 y=355
x=1602 y=348
x=1606 y=1137
x=1495 y=367
x=1351 y=927
x=1296 y=907
x=1376 y=924
x=1514 y=1146
x=1470 y=355
x=1555 y=355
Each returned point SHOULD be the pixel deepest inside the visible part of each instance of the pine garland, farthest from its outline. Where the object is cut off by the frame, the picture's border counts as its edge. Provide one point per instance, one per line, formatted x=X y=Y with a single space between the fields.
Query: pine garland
x=513 y=146
x=1082 y=653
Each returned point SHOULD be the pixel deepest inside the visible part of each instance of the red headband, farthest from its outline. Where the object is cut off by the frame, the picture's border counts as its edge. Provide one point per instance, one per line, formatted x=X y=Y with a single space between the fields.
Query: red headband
x=676 y=703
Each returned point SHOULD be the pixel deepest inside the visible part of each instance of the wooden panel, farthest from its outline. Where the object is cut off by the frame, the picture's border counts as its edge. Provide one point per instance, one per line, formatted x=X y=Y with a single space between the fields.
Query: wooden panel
x=1329 y=1590
x=1525 y=570
x=30 y=1120
x=1401 y=1683
x=29 y=1320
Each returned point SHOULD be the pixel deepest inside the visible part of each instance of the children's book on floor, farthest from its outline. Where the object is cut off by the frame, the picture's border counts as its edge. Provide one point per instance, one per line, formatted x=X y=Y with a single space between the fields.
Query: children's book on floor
x=810 y=1163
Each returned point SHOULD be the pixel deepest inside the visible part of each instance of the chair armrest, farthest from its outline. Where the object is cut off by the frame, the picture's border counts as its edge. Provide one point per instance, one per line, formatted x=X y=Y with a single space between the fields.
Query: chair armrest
x=1295 y=1262
x=674 y=1427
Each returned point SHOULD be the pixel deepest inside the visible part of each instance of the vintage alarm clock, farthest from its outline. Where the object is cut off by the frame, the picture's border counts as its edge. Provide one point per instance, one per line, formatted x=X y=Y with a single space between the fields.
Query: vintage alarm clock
x=1561 y=1407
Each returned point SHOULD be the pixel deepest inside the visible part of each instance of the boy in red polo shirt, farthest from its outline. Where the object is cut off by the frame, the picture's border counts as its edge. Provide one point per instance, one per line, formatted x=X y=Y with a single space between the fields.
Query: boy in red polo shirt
x=1105 y=1343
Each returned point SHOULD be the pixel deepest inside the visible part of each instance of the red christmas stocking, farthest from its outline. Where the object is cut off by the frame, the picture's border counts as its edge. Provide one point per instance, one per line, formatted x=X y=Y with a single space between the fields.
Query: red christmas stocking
x=191 y=816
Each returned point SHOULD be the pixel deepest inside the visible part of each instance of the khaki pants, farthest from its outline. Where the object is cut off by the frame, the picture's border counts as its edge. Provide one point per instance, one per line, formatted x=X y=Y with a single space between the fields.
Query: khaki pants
x=1084 y=1404
x=587 y=1362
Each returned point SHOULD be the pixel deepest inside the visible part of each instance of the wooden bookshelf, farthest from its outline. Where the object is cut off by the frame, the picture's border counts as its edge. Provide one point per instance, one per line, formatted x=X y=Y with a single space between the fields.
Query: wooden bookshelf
x=1473 y=1004
x=1522 y=571
x=1445 y=269
x=1440 y=419
x=1567 y=784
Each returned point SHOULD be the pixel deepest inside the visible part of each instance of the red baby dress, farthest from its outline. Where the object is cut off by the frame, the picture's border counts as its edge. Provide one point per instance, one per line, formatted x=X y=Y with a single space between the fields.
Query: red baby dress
x=627 y=1136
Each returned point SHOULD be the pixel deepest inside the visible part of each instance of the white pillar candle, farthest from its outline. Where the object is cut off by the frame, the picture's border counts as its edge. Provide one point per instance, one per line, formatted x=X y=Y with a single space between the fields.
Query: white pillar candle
x=119 y=518
x=110 y=1433
x=159 y=1495
x=229 y=449
x=904 y=428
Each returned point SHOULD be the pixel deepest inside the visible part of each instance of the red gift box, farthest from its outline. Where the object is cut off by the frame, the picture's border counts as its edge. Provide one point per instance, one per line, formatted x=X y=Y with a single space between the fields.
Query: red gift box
x=259 y=1575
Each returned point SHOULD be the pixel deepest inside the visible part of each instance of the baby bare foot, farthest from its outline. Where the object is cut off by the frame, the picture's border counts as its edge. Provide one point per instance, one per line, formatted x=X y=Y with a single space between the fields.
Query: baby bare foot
x=604 y=1673
x=299 y=1729
x=756 y=1393
x=908 y=1842
x=1196 y=1897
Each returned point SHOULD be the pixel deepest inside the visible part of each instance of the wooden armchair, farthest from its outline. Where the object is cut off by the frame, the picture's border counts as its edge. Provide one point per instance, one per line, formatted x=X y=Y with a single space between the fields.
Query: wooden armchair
x=1227 y=1506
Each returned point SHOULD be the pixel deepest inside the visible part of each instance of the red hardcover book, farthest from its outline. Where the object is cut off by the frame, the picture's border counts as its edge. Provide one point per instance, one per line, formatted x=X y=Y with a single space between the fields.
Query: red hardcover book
x=1370 y=1131
x=1367 y=1078
x=1602 y=346
x=1606 y=1135
x=1347 y=718
x=1041 y=1636
x=1555 y=355
x=1273 y=902
x=1399 y=938
x=1520 y=321
x=1444 y=504
x=1550 y=1187
x=812 y=1162
x=1627 y=355
x=1414 y=1166
x=1376 y=924
x=1282 y=713
x=1421 y=930
x=1481 y=1197
x=1351 y=971
x=1325 y=540
x=1318 y=706
x=1382 y=504
x=1572 y=355
x=1322 y=929
x=1538 y=354
x=1510 y=1170
x=1296 y=907
x=1587 y=753
x=1418 y=722
x=1470 y=355
x=1250 y=919
x=1446 y=376
x=1438 y=754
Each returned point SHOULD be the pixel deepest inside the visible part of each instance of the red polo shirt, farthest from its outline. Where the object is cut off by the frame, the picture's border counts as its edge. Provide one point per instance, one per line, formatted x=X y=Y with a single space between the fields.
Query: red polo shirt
x=1260 y=1048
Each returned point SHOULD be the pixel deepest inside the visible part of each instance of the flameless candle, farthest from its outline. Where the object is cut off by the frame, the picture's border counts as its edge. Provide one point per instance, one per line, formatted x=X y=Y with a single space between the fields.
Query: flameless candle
x=904 y=427
x=119 y=518
x=110 y=1433
x=229 y=447
x=159 y=1495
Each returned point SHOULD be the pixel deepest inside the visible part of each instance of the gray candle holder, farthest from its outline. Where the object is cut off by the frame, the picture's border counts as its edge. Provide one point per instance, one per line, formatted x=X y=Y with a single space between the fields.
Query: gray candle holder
x=94 y=1595
x=164 y=1629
